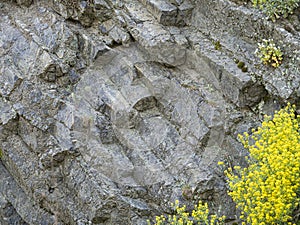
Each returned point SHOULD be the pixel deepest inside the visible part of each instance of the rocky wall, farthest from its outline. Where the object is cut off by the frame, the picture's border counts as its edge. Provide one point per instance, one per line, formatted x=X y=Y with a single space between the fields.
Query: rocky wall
x=111 y=110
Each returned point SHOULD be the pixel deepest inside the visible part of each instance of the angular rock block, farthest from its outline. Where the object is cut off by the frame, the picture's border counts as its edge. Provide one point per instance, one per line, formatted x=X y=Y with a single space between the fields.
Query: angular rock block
x=169 y=14
x=83 y=11
x=163 y=11
x=24 y=2
x=15 y=159
x=13 y=197
x=42 y=52
x=167 y=93
x=237 y=86
x=184 y=15
x=7 y=112
x=159 y=44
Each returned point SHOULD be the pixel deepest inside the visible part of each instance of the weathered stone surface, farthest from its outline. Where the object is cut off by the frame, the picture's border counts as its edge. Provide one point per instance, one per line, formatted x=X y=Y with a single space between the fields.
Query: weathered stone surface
x=12 y=197
x=236 y=85
x=164 y=12
x=7 y=112
x=24 y=2
x=176 y=2
x=173 y=13
x=85 y=12
x=8 y=214
x=160 y=44
x=241 y=29
x=109 y=110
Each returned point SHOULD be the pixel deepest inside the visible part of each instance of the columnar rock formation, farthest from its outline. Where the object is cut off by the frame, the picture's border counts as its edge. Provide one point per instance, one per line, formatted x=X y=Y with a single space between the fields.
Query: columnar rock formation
x=110 y=110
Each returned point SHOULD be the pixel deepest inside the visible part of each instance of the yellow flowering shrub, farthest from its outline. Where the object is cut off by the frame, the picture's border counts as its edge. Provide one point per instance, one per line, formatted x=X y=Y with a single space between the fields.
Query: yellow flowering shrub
x=200 y=216
x=269 y=53
x=267 y=190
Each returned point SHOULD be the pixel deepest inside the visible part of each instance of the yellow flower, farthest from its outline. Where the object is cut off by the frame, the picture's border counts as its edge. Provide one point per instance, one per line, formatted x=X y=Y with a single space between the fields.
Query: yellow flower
x=199 y=215
x=265 y=191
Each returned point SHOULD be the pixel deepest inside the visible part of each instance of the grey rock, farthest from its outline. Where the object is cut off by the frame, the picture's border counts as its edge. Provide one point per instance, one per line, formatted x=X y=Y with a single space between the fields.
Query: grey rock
x=235 y=84
x=137 y=12
x=173 y=13
x=102 y=10
x=24 y=2
x=75 y=10
x=83 y=11
x=119 y=35
x=100 y=3
x=91 y=47
x=159 y=44
x=8 y=203
x=7 y=112
x=165 y=91
x=164 y=12
x=109 y=110
x=176 y=2
x=248 y=27
x=185 y=11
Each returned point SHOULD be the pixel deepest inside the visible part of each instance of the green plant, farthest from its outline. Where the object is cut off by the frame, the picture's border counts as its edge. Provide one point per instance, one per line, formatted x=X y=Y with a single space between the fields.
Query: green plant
x=217 y=45
x=241 y=65
x=269 y=53
x=245 y=69
x=200 y=215
x=267 y=191
x=274 y=9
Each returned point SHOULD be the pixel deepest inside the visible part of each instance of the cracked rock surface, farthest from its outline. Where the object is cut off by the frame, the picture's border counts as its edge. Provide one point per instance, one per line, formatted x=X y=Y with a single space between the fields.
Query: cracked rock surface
x=111 y=110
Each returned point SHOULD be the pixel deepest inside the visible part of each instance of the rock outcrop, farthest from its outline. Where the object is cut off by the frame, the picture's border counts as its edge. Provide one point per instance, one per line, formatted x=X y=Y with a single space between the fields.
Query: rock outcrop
x=111 y=110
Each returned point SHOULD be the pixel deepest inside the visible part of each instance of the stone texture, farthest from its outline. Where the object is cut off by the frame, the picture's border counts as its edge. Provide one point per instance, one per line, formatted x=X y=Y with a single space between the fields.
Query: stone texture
x=173 y=13
x=24 y=2
x=110 y=109
x=12 y=197
x=240 y=29
x=7 y=112
x=164 y=12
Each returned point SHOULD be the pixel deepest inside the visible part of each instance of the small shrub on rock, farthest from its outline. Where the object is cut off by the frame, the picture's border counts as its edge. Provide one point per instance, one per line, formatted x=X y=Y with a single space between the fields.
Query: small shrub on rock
x=275 y=9
x=269 y=53
x=267 y=191
x=200 y=215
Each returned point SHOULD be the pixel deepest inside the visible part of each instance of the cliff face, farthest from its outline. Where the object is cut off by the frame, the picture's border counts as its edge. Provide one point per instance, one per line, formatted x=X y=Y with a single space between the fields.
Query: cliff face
x=110 y=110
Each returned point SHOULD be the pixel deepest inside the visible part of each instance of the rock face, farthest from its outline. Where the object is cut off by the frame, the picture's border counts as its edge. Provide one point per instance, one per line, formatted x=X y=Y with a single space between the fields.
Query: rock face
x=110 y=110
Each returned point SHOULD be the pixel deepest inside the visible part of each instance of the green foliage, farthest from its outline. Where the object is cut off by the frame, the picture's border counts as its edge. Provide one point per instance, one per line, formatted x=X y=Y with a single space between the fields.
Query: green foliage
x=241 y=65
x=200 y=215
x=267 y=191
x=274 y=9
x=217 y=45
x=269 y=53
x=245 y=69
